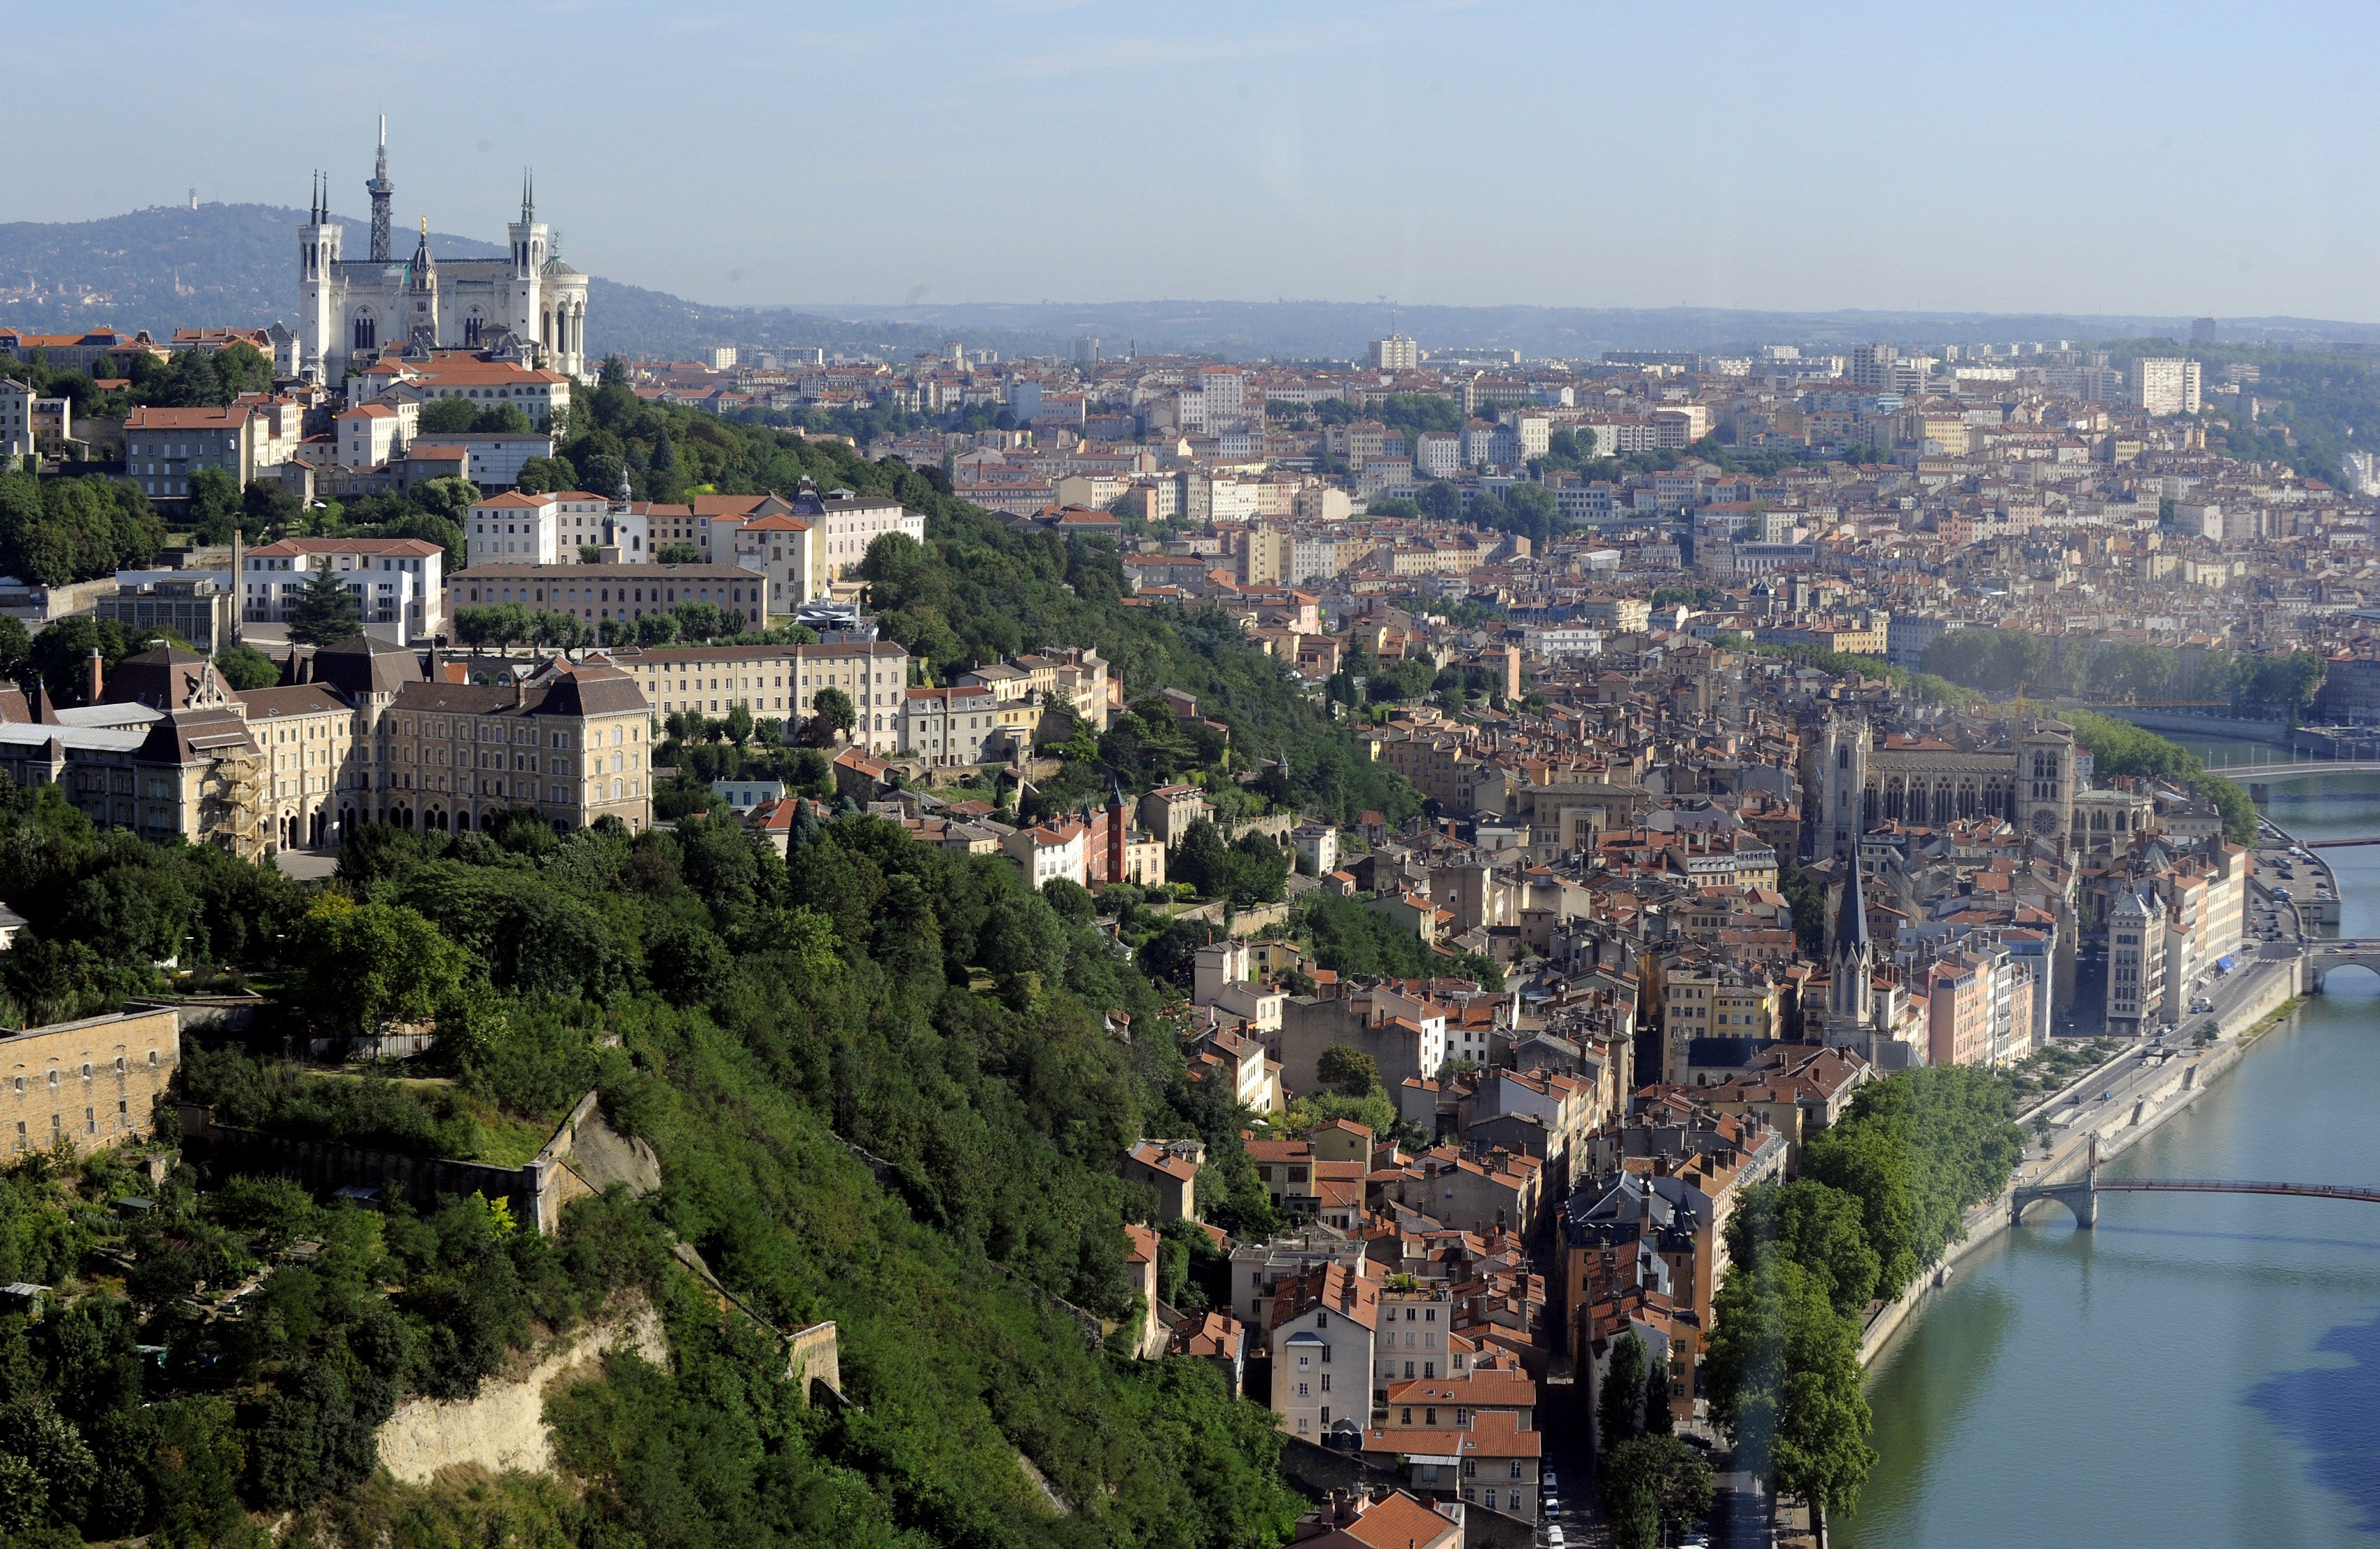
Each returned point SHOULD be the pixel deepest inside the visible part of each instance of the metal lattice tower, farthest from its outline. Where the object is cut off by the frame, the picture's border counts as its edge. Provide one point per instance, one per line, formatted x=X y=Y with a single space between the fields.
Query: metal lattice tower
x=380 y=188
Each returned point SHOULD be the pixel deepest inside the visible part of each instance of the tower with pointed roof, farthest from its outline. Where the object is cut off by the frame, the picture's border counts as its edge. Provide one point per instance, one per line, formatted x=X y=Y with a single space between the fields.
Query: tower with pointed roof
x=530 y=241
x=421 y=295
x=318 y=266
x=1850 y=961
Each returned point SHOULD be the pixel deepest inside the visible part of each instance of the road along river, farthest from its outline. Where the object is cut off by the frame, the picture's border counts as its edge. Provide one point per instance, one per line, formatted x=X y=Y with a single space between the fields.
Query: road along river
x=2201 y=1369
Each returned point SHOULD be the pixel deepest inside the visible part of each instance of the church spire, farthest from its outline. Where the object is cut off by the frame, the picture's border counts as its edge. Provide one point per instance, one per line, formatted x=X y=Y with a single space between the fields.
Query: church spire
x=1851 y=920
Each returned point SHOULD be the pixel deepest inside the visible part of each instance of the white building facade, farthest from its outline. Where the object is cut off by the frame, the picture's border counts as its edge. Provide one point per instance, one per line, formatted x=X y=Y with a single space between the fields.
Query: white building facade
x=397 y=582
x=350 y=309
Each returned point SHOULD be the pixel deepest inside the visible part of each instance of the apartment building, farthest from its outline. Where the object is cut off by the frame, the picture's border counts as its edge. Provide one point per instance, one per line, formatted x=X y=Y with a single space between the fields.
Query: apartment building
x=596 y=592
x=513 y=529
x=2163 y=387
x=963 y=727
x=2136 y=942
x=777 y=681
x=1051 y=851
x=1320 y=1335
x=374 y=435
x=1959 y=1010
x=397 y=582
x=536 y=391
x=164 y=448
x=782 y=549
x=844 y=527
x=15 y=419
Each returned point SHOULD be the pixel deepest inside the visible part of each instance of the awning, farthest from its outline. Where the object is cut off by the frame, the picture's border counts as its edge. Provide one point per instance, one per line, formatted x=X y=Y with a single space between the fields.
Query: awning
x=2223 y=964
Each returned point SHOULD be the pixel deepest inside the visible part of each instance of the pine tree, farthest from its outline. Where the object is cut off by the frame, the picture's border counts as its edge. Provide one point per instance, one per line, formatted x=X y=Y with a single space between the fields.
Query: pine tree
x=326 y=612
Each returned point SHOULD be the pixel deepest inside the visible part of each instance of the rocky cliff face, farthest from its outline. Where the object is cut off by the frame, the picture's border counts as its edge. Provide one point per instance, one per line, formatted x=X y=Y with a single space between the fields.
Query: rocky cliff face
x=503 y=1428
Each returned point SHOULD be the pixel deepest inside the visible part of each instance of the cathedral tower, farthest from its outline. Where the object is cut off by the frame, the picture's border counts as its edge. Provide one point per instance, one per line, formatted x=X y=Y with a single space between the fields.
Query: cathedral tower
x=2045 y=780
x=421 y=294
x=529 y=241
x=1842 y=781
x=318 y=258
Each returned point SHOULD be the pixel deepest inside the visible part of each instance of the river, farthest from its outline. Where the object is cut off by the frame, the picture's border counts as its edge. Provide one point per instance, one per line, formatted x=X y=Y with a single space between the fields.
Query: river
x=2201 y=1369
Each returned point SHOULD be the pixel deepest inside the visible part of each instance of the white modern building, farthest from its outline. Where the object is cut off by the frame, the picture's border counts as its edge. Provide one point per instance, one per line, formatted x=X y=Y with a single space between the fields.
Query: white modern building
x=398 y=582
x=2163 y=386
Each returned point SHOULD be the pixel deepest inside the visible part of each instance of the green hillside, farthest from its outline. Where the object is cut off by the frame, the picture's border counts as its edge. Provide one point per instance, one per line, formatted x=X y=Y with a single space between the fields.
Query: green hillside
x=760 y=1020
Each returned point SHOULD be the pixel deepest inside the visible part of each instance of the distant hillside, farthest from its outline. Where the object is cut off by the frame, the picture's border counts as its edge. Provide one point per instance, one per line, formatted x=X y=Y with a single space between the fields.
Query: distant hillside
x=1342 y=330
x=224 y=265
x=220 y=265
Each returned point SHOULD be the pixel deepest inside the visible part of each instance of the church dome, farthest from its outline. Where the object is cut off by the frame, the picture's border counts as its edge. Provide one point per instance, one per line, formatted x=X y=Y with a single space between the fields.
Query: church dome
x=555 y=267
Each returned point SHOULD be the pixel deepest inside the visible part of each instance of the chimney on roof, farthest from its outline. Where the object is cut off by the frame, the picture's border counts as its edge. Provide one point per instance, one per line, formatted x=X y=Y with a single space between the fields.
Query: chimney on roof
x=97 y=677
x=33 y=699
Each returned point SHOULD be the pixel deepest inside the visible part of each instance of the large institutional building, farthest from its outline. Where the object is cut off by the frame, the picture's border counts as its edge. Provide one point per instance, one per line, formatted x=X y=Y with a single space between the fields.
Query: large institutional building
x=170 y=751
x=529 y=303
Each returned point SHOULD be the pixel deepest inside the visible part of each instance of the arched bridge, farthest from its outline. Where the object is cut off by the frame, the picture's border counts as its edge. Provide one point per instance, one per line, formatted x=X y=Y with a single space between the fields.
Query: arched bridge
x=2323 y=954
x=2082 y=1195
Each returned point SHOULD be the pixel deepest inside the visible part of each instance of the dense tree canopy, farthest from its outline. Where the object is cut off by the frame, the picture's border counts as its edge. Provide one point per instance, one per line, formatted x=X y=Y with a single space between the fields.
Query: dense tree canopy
x=57 y=530
x=751 y=1016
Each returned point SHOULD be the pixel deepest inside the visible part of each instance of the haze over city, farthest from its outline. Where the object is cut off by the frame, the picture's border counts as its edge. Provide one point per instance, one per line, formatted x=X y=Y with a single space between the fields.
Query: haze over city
x=2017 y=158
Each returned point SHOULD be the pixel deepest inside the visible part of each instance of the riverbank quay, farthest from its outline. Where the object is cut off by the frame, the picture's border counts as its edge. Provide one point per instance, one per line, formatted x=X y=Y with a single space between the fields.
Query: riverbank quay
x=2145 y=1085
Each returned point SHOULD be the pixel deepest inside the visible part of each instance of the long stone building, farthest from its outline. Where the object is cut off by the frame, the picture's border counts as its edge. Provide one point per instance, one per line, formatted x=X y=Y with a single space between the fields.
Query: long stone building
x=170 y=751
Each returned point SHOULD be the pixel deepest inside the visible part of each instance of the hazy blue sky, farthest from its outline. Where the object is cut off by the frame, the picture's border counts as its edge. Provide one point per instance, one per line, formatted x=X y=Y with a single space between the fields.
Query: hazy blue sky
x=2154 y=158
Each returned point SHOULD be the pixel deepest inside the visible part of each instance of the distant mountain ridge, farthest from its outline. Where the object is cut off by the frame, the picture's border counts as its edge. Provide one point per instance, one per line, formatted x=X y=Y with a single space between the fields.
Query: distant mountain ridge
x=236 y=265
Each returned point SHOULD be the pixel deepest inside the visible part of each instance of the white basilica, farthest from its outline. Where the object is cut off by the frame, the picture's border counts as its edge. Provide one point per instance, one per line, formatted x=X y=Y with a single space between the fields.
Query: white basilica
x=531 y=305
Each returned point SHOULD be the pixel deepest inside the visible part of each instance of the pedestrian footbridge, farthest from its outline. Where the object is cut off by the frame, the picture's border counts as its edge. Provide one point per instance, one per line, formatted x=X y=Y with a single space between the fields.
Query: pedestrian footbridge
x=2082 y=1195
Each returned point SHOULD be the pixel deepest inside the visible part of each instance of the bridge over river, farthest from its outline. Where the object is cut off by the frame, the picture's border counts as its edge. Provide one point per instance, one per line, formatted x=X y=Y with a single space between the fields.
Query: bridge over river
x=2285 y=770
x=2082 y=1195
x=2322 y=954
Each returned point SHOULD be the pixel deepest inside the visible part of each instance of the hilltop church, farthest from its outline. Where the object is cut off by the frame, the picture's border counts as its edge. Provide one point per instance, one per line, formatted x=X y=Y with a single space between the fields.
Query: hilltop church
x=530 y=306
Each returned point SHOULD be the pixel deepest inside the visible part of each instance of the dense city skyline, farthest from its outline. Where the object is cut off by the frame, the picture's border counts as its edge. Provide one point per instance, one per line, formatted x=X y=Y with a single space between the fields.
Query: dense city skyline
x=1694 y=158
x=1664 y=830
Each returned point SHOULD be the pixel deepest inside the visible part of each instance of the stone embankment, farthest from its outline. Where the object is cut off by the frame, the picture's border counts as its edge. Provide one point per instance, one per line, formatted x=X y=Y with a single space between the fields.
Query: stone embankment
x=2168 y=1090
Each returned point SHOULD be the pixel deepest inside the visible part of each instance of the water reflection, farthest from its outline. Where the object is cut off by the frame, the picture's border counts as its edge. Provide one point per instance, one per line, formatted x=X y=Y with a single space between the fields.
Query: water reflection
x=2333 y=1414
